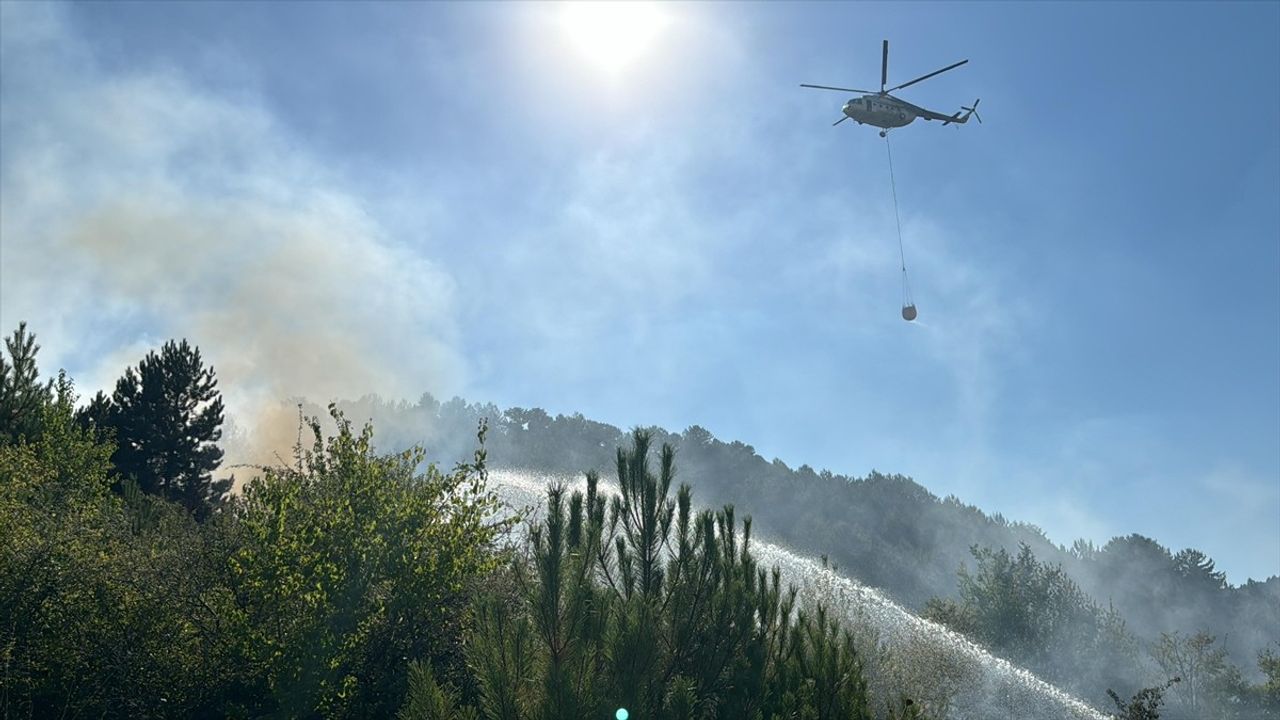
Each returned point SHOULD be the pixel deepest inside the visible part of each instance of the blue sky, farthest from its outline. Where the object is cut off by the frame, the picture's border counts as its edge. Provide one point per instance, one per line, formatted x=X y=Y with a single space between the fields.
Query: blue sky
x=335 y=199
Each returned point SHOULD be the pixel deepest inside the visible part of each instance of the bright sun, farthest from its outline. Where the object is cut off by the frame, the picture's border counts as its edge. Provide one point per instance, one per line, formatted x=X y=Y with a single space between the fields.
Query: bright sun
x=611 y=36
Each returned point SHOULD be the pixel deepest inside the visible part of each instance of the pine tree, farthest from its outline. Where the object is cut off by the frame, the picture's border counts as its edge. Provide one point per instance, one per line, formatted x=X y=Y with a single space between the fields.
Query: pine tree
x=166 y=420
x=1195 y=566
x=22 y=396
x=638 y=603
x=427 y=699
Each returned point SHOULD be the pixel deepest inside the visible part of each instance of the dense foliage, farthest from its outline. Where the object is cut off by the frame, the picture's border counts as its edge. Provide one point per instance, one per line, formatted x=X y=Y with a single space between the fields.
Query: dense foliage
x=306 y=598
x=352 y=562
x=890 y=532
x=1035 y=615
x=351 y=583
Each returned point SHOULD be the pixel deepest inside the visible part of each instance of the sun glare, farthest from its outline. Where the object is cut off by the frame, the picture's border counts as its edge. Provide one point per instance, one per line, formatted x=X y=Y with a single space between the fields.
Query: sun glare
x=612 y=36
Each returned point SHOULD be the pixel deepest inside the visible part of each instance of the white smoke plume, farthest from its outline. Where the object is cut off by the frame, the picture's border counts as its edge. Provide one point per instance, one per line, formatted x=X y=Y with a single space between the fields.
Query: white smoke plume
x=137 y=207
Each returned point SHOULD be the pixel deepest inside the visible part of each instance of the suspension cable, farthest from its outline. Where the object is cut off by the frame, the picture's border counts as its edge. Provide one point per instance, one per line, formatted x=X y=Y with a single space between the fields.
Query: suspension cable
x=906 y=285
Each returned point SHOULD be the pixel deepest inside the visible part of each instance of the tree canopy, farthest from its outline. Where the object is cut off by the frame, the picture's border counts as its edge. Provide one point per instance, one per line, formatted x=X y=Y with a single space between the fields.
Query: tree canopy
x=22 y=395
x=165 y=418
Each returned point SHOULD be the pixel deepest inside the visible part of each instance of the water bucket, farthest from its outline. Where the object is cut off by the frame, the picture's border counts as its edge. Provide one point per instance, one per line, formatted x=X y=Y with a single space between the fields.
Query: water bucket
x=908 y=312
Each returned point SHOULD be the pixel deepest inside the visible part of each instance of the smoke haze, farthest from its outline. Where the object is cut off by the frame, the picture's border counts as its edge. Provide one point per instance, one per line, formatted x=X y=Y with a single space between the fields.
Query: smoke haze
x=138 y=208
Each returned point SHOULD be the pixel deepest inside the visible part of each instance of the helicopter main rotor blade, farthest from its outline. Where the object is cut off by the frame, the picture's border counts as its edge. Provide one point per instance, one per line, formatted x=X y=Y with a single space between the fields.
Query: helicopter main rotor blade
x=884 y=67
x=828 y=87
x=926 y=77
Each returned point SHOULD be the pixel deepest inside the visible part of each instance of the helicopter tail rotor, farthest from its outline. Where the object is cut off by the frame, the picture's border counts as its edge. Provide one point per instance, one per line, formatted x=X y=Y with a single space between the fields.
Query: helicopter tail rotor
x=972 y=111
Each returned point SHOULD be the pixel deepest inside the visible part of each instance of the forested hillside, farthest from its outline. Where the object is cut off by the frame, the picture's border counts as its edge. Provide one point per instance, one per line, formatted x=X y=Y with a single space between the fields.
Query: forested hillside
x=348 y=583
x=356 y=578
x=1147 y=605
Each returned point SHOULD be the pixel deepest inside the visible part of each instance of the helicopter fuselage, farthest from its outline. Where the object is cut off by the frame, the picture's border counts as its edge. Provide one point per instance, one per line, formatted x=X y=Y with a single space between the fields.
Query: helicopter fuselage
x=885 y=111
x=882 y=111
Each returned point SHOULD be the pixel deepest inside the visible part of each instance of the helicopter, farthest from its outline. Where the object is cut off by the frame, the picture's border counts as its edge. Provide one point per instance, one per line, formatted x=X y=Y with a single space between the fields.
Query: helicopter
x=882 y=110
